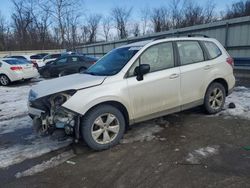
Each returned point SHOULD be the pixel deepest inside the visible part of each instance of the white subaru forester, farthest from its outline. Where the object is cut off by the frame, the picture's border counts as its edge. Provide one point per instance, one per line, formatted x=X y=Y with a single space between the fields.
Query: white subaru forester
x=134 y=83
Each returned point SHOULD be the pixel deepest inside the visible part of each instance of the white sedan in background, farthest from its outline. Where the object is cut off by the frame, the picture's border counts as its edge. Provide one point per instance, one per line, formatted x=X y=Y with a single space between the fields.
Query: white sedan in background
x=15 y=69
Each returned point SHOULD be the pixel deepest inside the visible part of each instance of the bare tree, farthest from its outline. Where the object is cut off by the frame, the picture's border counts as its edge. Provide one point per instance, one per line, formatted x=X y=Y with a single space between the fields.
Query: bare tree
x=93 y=23
x=106 y=24
x=59 y=10
x=209 y=11
x=21 y=21
x=238 y=9
x=176 y=11
x=193 y=14
x=145 y=16
x=2 y=32
x=160 y=19
x=71 y=23
x=136 y=30
x=121 y=17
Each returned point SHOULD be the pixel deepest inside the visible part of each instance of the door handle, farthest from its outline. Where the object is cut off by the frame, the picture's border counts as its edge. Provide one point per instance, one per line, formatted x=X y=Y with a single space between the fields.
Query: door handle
x=173 y=76
x=207 y=67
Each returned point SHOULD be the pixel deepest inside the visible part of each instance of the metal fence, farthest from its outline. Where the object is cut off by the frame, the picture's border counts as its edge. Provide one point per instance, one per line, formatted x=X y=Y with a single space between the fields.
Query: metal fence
x=234 y=34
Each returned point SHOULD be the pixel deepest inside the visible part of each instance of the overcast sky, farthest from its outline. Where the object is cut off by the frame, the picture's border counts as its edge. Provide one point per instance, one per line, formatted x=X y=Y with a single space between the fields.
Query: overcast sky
x=104 y=6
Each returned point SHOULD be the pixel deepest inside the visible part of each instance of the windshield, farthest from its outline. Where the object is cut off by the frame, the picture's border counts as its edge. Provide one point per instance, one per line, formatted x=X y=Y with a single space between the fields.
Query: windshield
x=113 y=62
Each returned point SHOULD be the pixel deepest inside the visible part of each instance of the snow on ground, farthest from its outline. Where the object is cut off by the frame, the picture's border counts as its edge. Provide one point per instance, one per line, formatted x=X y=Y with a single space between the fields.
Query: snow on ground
x=196 y=156
x=37 y=147
x=54 y=161
x=11 y=125
x=241 y=98
x=13 y=101
x=13 y=117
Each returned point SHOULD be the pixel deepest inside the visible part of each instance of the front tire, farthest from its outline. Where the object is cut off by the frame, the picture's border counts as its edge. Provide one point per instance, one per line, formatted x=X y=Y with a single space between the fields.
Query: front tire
x=4 y=80
x=214 y=98
x=103 y=127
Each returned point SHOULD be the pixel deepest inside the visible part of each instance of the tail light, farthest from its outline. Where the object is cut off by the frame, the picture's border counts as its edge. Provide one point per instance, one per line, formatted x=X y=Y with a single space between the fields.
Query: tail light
x=16 y=68
x=230 y=61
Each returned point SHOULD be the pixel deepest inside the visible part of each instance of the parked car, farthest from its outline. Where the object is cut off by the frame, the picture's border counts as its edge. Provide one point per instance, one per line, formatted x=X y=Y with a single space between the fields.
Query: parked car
x=15 y=69
x=51 y=57
x=25 y=57
x=134 y=83
x=65 y=65
x=37 y=59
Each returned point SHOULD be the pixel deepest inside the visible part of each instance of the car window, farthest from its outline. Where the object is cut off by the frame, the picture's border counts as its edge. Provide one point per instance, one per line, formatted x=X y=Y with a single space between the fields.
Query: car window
x=62 y=60
x=190 y=52
x=159 y=57
x=35 y=57
x=55 y=55
x=213 y=49
x=74 y=59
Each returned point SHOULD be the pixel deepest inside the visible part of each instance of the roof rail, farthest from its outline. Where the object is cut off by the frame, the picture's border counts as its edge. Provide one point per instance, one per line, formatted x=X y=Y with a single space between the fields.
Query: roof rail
x=197 y=35
x=180 y=35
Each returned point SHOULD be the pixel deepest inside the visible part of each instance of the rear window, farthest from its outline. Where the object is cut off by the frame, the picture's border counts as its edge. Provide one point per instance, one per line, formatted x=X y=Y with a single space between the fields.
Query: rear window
x=190 y=52
x=35 y=57
x=15 y=62
x=55 y=55
x=213 y=49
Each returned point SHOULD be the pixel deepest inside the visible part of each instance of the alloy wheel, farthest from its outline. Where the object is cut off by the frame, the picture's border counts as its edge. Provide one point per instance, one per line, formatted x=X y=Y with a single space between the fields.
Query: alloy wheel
x=105 y=128
x=4 y=80
x=216 y=98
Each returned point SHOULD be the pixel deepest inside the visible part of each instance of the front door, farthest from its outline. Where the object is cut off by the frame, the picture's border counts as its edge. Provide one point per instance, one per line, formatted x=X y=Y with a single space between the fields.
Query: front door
x=159 y=90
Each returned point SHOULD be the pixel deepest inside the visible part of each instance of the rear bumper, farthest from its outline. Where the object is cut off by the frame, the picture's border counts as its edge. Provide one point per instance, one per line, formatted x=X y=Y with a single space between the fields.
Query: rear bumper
x=23 y=76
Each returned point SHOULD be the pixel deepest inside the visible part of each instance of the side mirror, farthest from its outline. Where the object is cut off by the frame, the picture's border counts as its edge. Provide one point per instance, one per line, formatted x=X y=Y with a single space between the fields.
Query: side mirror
x=141 y=70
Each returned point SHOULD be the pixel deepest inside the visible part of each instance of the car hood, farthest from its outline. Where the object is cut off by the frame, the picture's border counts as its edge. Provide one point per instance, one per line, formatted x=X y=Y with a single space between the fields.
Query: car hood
x=71 y=82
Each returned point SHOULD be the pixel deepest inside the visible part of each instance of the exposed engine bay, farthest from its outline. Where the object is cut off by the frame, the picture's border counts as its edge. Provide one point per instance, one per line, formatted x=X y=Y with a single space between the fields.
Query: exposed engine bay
x=54 y=116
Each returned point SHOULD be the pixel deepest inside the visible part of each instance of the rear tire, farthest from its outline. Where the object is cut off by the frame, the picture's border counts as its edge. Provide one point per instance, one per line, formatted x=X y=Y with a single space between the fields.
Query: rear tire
x=214 y=98
x=103 y=127
x=4 y=80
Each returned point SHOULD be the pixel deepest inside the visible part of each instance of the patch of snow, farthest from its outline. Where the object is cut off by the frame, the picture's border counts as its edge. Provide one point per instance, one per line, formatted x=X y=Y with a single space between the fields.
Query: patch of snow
x=241 y=98
x=196 y=156
x=38 y=146
x=142 y=132
x=11 y=125
x=54 y=161
x=13 y=101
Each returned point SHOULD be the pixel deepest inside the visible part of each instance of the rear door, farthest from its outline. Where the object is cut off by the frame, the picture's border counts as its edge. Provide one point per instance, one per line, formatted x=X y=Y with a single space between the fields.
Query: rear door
x=194 y=69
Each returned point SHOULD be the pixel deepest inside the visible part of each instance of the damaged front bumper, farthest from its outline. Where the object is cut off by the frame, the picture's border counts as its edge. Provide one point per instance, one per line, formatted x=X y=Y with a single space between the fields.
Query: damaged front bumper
x=48 y=114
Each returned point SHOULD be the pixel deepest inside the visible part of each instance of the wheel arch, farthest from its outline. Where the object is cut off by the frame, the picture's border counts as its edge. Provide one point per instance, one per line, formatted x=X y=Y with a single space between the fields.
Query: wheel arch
x=117 y=105
x=82 y=67
x=6 y=75
x=222 y=81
